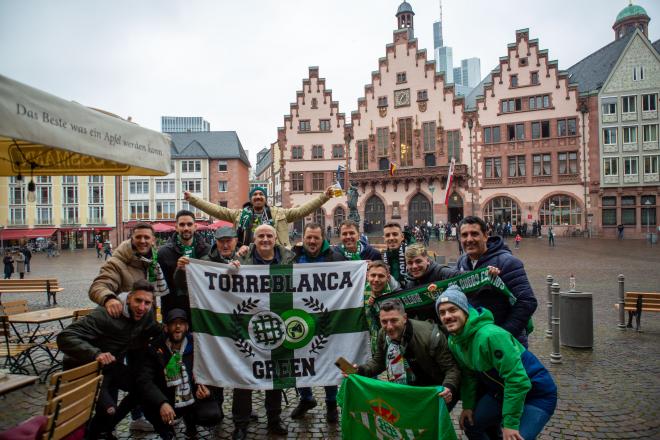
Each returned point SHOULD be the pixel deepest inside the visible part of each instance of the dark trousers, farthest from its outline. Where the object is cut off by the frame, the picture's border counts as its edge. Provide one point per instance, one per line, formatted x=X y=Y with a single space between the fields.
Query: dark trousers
x=152 y=414
x=115 y=377
x=242 y=406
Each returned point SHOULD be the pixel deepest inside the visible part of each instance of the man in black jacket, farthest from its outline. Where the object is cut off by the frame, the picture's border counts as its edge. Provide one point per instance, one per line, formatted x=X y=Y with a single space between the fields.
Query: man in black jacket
x=166 y=383
x=352 y=247
x=316 y=249
x=108 y=340
x=175 y=254
x=421 y=270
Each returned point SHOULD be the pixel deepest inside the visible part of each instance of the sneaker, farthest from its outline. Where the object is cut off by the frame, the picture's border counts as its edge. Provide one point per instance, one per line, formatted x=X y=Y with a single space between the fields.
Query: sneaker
x=302 y=408
x=331 y=414
x=276 y=427
x=141 y=424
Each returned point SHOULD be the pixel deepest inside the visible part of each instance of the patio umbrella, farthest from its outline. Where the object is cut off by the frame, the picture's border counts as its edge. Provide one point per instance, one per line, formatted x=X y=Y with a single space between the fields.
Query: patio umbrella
x=162 y=227
x=41 y=134
x=219 y=223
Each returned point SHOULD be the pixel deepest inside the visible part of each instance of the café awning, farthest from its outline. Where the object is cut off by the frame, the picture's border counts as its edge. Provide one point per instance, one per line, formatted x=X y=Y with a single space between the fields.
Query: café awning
x=17 y=234
x=44 y=135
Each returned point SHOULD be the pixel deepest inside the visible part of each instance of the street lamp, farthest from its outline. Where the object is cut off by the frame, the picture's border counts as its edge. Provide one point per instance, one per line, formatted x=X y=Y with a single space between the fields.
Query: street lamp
x=584 y=110
x=470 y=125
x=432 y=189
x=647 y=205
x=552 y=214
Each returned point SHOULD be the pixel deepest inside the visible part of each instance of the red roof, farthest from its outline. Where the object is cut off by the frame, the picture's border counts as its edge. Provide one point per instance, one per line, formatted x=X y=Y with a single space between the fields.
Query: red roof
x=16 y=234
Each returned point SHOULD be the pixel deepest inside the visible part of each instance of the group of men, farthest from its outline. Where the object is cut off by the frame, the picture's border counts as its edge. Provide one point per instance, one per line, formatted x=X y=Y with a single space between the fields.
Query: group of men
x=153 y=363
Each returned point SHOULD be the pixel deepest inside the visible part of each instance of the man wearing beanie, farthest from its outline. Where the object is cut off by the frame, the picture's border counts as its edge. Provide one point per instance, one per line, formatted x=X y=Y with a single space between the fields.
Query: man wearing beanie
x=257 y=212
x=520 y=394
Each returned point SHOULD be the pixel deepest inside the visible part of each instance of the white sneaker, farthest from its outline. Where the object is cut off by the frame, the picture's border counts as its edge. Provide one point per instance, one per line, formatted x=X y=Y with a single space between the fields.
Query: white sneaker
x=141 y=424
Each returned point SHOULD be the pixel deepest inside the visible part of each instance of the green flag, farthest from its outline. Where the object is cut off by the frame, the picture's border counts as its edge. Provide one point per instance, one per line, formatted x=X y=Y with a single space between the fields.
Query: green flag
x=375 y=409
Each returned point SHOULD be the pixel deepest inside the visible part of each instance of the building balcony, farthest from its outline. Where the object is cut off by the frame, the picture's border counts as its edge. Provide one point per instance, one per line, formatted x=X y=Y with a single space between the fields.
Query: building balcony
x=610 y=148
x=569 y=178
x=650 y=146
x=626 y=117
x=652 y=178
x=493 y=181
x=631 y=178
x=649 y=115
x=406 y=176
x=96 y=221
x=539 y=180
x=633 y=146
x=610 y=180
x=610 y=118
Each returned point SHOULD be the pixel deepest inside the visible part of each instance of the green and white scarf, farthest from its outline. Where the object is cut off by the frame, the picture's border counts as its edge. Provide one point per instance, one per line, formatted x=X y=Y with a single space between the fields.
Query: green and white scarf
x=398 y=271
x=397 y=368
x=371 y=313
x=177 y=376
x=155 y=273
x=352 y=256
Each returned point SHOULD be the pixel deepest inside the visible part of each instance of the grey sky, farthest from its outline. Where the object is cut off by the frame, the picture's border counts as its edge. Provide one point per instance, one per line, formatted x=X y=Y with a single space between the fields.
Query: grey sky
x=238 y=64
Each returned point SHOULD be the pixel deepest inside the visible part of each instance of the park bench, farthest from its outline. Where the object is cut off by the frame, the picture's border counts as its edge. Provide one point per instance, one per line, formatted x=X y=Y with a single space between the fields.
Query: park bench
x=638 y=302
x=35 y=285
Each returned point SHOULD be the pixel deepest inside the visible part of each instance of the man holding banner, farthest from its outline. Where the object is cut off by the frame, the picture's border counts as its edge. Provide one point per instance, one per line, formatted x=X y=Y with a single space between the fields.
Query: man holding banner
x=276 y=325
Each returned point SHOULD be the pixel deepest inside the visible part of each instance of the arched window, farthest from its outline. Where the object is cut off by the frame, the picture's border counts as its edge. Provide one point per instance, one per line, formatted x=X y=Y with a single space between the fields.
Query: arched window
x=374 y=215
x=560 y=209
x=419 y=210
x=340 y=216
x=502 y=210
x=319 y=217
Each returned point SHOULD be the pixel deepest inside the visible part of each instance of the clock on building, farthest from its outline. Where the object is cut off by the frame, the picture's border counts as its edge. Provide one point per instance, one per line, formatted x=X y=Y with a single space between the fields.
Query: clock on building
x=401 y=98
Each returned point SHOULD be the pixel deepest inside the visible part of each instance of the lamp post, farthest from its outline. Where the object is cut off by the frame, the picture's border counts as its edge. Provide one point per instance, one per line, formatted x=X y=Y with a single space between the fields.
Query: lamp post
x=347 y=139
x=471 y=178
x=647 y=205
x=584 y=110
x=552 y=215
x=432 y=189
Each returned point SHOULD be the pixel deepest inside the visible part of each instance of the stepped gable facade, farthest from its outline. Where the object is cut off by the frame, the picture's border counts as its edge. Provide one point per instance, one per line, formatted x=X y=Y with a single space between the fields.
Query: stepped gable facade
x=312 y=146
x=531 y=141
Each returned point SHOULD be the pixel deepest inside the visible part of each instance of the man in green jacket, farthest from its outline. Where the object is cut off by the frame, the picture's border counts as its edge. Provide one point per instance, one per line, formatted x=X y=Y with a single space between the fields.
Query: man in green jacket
x=520 y=393
x=413 y=353
x=257 y=212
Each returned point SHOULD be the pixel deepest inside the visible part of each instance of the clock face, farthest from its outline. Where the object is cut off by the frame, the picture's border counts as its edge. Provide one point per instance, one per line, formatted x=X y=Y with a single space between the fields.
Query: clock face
x=401 y=98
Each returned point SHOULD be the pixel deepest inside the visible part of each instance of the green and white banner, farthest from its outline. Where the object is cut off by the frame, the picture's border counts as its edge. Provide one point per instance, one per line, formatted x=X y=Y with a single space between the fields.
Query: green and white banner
x=274 y=327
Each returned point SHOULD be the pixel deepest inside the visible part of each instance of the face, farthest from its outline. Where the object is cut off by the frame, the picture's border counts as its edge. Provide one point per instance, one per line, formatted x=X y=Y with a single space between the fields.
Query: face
x=226 y=246
x=142 y=240
x=177 y=329
x=349 y=237
x=473 y=240
x=313 y=240
x=393 y=322
x=452 y=317
x=264 y=239
x=139 y=303
x=393 y=237
x=417 y=266
x=186 y=227
x=378 y=277
x=258 y=200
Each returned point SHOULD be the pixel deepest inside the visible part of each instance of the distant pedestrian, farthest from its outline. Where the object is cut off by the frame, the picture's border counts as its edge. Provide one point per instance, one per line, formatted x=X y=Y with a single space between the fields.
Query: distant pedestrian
x=107 y=249
x=19 y=258
x=28 y=256
x=619 y=228
x=518 y=239
x=551 y=236
x=9 y=265
x=99 y=249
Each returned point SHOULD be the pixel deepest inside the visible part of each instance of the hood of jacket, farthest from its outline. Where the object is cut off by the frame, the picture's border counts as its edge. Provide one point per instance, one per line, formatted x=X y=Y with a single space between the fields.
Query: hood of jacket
x=495 y=246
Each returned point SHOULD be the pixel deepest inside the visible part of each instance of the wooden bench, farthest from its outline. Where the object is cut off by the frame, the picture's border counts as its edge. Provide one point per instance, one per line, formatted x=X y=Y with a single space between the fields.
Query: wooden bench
x=36 y=285
x=637 y=302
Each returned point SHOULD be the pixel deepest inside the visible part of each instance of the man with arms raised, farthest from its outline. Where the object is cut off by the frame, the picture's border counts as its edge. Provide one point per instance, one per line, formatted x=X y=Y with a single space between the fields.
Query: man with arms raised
x=482 y=251
x=106 y=339
x=257 y=212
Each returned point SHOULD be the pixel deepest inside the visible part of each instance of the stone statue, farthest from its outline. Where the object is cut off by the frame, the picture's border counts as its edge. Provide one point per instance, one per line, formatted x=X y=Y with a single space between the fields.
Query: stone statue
x=352 y=196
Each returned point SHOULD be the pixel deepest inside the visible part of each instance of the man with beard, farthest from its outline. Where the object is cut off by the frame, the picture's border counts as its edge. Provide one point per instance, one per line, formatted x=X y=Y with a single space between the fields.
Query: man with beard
x=351 y=247
x=482 y=251
x=166 y=383
x=175 y=254
x=134 y=259
x=316 y=249
x=257 y=212
x=395 y=254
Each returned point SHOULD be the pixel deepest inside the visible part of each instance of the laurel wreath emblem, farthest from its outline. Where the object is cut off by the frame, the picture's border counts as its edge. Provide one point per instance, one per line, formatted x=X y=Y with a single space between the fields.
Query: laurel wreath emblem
x=243 y=307
x=321 y=339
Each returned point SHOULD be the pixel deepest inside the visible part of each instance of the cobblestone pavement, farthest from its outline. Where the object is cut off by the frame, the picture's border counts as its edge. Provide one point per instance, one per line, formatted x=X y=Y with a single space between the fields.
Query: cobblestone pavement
x=610 y=392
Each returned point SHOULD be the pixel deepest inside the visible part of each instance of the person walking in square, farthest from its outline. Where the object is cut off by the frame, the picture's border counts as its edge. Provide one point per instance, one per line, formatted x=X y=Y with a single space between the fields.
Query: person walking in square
x=28 y=256
x=551 y=236
x=19 y=258
x=518 y=239
x=8 y=261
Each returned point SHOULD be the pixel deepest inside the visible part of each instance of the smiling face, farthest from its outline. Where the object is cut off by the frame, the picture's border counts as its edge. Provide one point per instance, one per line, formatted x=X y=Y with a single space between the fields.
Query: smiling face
x=393 y=237
x=186 y=227
x=264 y=239
x=142 y=240
x=176 y=330
x=473 y=240
x=417 y=265
x=452 y=317
x=258 y=200
x=349 y=237
x=377 y=277
x=139 y=303
x=313 y=241
x=393 y=322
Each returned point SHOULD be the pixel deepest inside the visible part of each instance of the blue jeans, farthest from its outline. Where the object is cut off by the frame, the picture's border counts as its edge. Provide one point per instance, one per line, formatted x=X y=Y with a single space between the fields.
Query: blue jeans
x=488 y=413
x=330 y=394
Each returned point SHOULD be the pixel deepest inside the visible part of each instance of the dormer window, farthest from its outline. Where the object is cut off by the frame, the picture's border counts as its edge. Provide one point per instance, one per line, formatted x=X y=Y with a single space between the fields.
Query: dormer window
x=401 y=78
x=514 y=80
x=382 y=101
x=534 y=78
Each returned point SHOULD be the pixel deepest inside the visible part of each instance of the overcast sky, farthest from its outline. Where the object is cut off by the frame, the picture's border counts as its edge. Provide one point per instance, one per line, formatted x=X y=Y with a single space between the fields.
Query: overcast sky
x=239 y=63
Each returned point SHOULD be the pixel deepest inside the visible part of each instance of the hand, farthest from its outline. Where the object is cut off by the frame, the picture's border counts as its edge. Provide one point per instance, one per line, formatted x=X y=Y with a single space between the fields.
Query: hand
x=493 y=271
x=329 y=191
x=182 y=262
x=466 y=414
x=167 y=413
x=202 y=392
x=446 y=394
x=243 y=250
x=371 y=301
x=432 y=288
x=186 y=195
x=105 y=359
x=114 y=307
x=511 y=434
x=345 y=374
x=235 y=265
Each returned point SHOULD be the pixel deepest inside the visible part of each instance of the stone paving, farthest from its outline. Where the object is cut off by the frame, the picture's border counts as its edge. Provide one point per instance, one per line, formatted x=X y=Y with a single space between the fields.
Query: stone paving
x=610 y=392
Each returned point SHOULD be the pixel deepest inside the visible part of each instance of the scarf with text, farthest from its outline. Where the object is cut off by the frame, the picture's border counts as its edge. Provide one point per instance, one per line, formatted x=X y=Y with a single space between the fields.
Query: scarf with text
x=398 y=268
x=397 y=368
x=250 y=220
x=155 y=273
x=352 y=256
